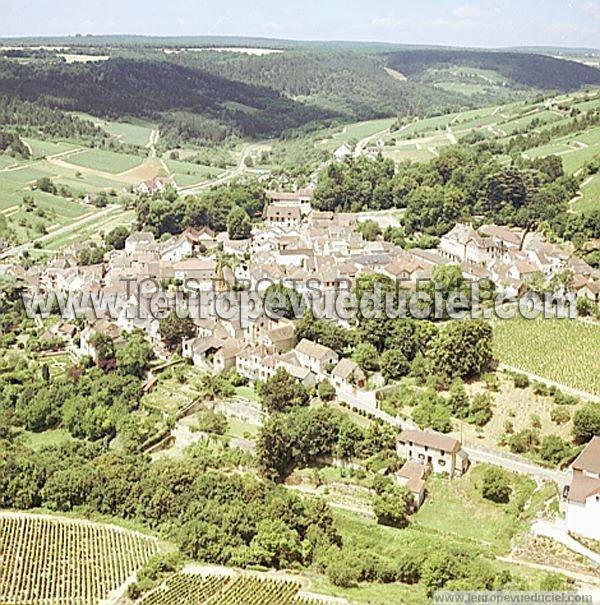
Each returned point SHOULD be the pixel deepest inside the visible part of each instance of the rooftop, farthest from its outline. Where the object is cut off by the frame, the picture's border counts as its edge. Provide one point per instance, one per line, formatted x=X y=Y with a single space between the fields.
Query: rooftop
x=436 y=441
x=589 y=459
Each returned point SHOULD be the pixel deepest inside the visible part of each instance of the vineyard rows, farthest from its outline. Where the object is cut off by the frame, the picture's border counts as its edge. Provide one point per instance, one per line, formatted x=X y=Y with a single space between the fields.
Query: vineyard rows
x=65 y=562
x=192 y=589
x=564 y=351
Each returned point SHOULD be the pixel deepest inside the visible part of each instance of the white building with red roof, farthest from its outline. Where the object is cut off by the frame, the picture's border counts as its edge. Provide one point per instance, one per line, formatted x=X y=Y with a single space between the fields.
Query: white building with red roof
x=583 y=500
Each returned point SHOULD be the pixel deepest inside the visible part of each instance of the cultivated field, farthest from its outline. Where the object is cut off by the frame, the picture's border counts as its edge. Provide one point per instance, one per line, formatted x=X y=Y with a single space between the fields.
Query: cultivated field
x=133 y=134
x=187 y=173
x=195 y=589
x=105 y=161
x=91 y=230
x=41 y=149
x=356 y=132
x=421 y=140
x=564 y=351
x=136 y=132
x=56 y=560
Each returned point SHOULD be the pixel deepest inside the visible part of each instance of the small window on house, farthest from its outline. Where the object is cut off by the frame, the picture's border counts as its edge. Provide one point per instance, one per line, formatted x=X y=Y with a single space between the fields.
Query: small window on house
x=442 y=462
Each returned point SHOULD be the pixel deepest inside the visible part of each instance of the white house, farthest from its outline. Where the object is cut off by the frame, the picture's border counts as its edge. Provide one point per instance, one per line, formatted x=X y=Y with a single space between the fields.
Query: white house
x=283 y=216
x=347 y=375
x=155 y=185
x=300 y=199
x=583 y=501
x=522 y=270
x=140 y=241
x=317 y=358
x=202 y=270
x=343 y=151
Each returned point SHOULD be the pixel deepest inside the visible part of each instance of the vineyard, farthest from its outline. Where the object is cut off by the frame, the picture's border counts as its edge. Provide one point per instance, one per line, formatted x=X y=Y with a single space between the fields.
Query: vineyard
x=192 y=589
x=60 y=561
x=561 y=350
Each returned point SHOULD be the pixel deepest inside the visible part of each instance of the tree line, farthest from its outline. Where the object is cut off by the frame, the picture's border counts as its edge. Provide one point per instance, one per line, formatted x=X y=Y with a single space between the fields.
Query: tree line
x=461 y=184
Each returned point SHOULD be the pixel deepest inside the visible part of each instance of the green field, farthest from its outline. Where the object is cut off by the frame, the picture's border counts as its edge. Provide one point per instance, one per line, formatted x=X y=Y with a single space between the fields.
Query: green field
x=132 y=134
x=573 y=158
x=41 y=149
x=355 y=132
x=564 y=351
x=49 y=438
x=170 y=395
x=590 y=199
x=513 y=126
x=50 y=211
x=409 y=152
x=136 y=132
x=239 y=428
x=7 y=160
x=457 y=508
x=11 y=193
x=28 y=174
x=91 y=230
x=573 y=161
x=587 y=105
x=75 y=179
x=590 y=137
x=454 y=515
x=187 y=173
x=487 y=75
x=105 y=161
x=462 y=126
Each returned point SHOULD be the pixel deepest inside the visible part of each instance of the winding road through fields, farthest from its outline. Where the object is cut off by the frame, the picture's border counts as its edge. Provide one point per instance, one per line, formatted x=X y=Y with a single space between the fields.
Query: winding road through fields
x=233 y=173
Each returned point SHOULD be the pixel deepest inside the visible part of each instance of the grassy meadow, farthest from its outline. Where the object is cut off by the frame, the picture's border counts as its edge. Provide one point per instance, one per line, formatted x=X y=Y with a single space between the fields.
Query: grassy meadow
x=105 y=161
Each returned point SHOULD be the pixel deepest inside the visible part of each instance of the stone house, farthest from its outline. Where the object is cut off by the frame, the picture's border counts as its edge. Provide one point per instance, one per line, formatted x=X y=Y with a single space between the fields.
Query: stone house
x=443 y=454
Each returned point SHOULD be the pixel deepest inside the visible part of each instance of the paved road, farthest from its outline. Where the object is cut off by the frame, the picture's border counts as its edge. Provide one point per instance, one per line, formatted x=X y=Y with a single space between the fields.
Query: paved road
x=476 y=454
x=511 y=463
x=557 y=531
x=228 y=176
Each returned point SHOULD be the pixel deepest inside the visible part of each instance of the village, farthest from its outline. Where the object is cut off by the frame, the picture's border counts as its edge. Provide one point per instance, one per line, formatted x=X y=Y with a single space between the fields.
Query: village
x=296 y=246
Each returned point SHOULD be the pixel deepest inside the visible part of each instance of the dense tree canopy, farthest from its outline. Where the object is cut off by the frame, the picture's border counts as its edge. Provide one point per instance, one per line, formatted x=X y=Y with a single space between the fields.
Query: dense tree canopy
x=460 y=183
